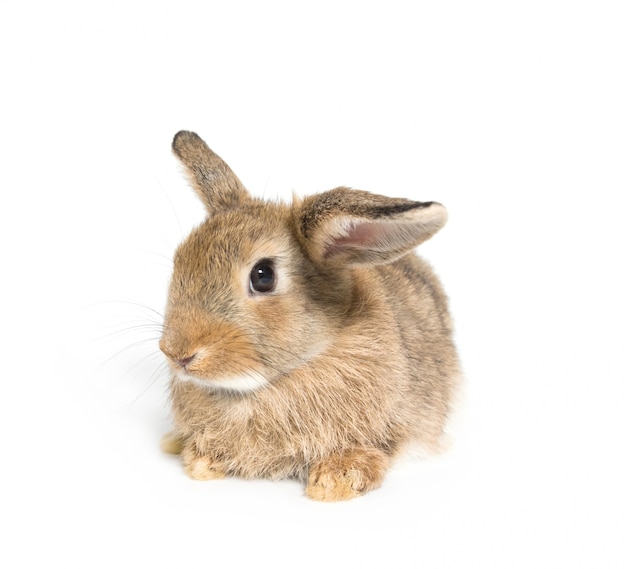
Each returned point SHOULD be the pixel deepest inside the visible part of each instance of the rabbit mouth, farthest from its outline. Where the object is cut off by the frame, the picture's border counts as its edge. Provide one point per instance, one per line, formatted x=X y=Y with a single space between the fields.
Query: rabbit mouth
x=242 y=382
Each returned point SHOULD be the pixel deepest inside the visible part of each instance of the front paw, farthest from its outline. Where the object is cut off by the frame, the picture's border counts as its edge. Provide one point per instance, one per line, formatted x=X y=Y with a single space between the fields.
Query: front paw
x=201 y=467
x=348 y=475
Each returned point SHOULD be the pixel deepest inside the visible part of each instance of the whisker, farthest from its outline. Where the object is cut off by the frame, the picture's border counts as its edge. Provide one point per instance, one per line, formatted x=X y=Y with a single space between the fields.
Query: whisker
x=180 y=227
x=123 y=351
x=158 y=373
x=116 y=334
x=129 y=303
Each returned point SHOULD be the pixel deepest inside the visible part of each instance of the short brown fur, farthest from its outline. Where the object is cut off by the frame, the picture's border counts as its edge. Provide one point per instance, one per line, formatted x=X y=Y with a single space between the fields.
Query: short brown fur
x=331 y=375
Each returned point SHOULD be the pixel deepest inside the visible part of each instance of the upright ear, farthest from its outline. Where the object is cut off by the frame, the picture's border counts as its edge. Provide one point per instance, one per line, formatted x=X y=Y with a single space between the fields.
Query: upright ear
x=352 y=227
x=212 y=179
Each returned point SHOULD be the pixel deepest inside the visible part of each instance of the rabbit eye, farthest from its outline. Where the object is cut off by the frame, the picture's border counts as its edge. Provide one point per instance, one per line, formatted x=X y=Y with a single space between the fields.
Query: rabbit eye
x=263 y=277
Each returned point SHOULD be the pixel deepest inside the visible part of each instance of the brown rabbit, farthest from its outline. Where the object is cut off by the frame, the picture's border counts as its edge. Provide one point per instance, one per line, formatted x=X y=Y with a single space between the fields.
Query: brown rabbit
x=305 y=340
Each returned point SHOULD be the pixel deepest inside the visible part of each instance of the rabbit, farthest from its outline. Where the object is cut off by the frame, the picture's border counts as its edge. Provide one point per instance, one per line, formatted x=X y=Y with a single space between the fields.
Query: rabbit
x=305 y=341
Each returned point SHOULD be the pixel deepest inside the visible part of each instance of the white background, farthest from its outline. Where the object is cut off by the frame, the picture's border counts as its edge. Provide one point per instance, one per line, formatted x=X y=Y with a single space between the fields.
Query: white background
x=512 y=114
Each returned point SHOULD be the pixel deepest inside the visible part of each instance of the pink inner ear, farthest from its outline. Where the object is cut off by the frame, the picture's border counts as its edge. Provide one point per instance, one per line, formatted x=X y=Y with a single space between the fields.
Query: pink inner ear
x=359 y=235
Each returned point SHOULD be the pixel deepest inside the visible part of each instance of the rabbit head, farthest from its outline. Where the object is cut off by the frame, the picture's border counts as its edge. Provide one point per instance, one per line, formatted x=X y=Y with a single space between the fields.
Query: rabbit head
x=259 y=288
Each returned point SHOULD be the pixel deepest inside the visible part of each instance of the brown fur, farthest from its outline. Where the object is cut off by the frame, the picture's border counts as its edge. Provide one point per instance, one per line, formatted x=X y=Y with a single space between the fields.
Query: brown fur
x=353 y=350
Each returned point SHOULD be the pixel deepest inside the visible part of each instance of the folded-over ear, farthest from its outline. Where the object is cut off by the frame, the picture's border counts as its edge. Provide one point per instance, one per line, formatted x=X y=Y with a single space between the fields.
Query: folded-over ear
x=352 y=227
x=212 y=179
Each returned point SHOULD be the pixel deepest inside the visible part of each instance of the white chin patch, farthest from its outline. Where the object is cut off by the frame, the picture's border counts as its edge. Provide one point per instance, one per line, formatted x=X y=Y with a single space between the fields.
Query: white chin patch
x=243 y=382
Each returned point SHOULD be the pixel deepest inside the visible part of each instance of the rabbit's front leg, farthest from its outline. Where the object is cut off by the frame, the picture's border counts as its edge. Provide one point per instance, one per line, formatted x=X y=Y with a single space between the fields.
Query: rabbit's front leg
x=200 y=466
x=197 y=466
x=347 y=475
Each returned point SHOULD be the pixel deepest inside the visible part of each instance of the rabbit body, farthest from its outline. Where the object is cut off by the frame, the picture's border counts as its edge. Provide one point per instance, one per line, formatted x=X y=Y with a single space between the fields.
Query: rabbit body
x=330 y=372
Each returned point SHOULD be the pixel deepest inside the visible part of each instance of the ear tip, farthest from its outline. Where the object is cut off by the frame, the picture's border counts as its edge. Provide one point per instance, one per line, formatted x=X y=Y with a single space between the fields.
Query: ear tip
x=431 y=214
x=184 y=139
x=440 y=208
x=437 y=214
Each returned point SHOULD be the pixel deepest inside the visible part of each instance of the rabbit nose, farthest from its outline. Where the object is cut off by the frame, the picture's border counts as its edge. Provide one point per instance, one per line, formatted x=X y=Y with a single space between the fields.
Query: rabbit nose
x=184 y=362
x=175 y=355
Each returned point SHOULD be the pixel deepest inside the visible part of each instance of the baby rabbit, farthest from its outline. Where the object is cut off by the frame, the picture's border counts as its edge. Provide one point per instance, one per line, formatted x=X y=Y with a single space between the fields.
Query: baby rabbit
x=305 y=340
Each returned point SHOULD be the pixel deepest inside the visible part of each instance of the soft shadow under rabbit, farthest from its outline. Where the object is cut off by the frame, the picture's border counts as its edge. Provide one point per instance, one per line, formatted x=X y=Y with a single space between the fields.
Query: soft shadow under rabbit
x=305 y=340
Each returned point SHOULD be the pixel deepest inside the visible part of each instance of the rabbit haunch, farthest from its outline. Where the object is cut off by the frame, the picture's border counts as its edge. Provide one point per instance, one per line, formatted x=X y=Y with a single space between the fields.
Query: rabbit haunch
x=329 y=372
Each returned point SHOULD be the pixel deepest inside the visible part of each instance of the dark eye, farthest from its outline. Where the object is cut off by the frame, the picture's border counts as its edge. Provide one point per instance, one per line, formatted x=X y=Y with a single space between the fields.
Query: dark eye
x=263 y=277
